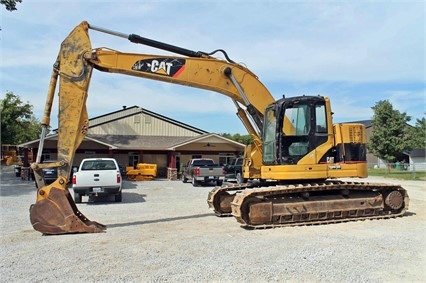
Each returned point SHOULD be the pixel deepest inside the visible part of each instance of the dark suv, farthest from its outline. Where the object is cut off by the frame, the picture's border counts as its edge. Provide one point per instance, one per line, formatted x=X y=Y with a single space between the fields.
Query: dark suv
x=50 y=174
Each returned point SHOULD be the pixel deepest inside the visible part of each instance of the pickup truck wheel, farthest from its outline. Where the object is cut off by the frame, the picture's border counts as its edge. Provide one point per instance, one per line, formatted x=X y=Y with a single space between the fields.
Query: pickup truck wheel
x=194 y=182
x=118 y=197
x=219 y=182
x=77 y=198
x=184 y=179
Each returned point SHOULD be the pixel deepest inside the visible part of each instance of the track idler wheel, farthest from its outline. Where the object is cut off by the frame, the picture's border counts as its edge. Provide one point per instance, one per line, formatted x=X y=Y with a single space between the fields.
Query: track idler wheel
x=131 y=177
x=55 y=212
x=220 y=201
x=394 y=200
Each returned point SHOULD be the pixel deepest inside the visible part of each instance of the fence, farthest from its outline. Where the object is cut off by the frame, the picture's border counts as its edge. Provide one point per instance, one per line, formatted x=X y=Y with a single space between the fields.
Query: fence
x=398 y=169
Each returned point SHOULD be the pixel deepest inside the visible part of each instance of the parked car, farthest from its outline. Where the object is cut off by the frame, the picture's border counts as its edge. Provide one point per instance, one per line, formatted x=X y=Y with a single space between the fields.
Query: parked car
x=97 y=177
x=234 y=170
x=50 y=174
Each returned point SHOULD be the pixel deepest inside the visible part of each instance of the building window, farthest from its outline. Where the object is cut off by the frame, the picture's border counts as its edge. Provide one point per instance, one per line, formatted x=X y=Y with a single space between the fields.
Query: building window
x=137 y=119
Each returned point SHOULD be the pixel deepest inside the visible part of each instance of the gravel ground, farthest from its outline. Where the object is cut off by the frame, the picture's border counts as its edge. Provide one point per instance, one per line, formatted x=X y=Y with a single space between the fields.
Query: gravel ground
x=163 y=231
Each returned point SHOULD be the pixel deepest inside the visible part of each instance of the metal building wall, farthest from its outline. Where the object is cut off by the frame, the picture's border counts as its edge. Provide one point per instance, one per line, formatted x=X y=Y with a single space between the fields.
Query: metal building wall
x=140 y=124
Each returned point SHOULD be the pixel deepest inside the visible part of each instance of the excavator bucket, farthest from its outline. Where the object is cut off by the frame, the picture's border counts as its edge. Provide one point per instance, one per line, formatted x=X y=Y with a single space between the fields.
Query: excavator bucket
x=55 y=212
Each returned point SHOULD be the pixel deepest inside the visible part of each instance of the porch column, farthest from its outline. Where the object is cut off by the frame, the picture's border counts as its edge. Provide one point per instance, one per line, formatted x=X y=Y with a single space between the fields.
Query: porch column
x=26 y=161
x=171 y=165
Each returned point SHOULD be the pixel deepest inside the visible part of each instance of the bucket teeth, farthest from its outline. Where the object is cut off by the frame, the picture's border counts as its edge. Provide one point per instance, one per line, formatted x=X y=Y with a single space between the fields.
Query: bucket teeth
x=58 y=214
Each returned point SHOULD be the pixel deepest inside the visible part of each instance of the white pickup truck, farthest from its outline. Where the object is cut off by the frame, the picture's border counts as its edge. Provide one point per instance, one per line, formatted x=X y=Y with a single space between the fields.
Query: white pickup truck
x=97 y=177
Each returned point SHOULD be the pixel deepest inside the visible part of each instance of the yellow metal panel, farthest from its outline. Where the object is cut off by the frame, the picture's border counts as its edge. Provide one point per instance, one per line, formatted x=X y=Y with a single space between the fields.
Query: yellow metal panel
x=348 y=170
x=294 y=172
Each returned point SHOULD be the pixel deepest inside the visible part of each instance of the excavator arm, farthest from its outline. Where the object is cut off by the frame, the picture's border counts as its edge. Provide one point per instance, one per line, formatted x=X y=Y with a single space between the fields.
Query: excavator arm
x=55 y=211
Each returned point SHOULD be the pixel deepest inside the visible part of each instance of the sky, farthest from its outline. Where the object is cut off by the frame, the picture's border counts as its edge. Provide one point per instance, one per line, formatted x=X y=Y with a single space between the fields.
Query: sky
x=355 y=52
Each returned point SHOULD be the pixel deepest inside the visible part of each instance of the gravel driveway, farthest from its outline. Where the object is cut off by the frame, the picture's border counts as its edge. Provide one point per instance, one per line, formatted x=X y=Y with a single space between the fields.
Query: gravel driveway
x=163 y=231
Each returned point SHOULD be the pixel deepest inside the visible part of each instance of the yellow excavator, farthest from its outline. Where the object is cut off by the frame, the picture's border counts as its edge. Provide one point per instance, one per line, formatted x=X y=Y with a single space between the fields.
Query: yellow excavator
x=290 y=171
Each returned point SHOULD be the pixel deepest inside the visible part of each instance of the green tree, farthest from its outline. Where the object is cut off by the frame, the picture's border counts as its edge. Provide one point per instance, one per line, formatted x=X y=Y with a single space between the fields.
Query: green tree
x=10 y=5
x=18 y=124
x=244 y=139
x=391 y=134
x=418 y=134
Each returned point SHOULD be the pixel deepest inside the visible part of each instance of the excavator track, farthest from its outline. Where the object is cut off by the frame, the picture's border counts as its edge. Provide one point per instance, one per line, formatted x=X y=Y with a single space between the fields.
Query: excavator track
x=318 y=203
x=220 y=198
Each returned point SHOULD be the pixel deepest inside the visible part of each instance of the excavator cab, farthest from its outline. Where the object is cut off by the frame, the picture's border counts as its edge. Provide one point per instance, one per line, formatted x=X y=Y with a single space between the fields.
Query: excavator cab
x=293 y=128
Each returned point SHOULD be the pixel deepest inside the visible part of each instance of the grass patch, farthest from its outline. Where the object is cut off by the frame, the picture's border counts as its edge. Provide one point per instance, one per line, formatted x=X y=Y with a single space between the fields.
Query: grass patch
x=397 y=174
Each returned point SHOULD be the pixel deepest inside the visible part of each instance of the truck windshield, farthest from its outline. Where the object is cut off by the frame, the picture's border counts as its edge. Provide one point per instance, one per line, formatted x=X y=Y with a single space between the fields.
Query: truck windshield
x=203 y=162
x=98 y=165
